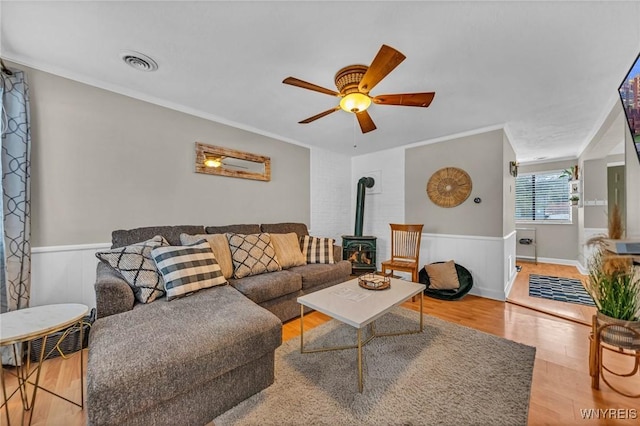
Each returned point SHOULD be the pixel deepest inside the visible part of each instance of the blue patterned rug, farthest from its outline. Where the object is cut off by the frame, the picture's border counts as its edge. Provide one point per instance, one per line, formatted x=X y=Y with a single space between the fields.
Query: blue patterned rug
x=560 y=289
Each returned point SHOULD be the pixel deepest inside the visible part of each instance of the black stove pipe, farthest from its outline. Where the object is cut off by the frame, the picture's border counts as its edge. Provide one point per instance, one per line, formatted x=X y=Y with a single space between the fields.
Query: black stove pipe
x=364 y=182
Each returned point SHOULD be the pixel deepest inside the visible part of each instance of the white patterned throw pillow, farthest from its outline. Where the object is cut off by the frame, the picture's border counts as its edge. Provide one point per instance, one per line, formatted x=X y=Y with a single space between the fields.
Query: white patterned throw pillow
x=187 y=269
x=317 y=250
x=136 y=266
x=252 y=254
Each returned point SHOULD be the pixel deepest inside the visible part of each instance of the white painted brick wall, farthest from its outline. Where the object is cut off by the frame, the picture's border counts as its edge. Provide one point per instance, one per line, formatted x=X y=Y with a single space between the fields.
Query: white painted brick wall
x=330 y=194
x=384 y=207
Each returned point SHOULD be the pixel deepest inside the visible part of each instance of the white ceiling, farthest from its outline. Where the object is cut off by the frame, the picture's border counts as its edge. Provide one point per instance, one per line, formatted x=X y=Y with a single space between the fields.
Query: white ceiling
x=548 y=71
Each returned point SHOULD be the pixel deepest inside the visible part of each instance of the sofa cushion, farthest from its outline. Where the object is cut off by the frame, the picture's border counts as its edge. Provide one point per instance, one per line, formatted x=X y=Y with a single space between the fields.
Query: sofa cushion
x=187 y=269
x=158 y=351
x=260 y=288
x=219 y=247
x=252 y=228
x=317 y=250
x=287 y=247
x=315 y=274
x=135 y=264
x=252 y=254
x=125 y=237
x=284 y=228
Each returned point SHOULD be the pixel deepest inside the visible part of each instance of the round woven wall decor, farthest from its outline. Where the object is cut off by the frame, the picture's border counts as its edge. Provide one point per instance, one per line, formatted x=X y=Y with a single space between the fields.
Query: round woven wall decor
x=449 y=187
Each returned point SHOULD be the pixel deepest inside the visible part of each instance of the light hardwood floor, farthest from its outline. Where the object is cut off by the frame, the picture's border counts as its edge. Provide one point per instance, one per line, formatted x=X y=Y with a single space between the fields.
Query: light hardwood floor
x=519 y=293
x=561 y=385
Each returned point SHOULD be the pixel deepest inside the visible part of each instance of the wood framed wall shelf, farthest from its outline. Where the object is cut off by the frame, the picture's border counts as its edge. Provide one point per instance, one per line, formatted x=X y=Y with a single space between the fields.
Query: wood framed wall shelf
x=216 y=160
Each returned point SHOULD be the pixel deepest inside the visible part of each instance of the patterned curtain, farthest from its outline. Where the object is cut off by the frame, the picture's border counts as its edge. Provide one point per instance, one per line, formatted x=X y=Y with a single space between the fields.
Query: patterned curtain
x=15 y=168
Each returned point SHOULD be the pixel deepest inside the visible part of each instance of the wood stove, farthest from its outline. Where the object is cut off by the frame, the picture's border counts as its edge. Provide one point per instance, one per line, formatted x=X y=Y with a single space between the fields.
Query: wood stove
x=358 y=249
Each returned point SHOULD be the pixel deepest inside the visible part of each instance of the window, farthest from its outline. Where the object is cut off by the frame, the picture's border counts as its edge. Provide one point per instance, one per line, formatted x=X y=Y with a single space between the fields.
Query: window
x=543 y=196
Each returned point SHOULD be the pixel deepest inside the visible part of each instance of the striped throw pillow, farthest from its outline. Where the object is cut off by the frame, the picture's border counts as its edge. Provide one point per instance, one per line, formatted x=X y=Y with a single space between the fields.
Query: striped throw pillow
x=317 y=250
x=187 y=269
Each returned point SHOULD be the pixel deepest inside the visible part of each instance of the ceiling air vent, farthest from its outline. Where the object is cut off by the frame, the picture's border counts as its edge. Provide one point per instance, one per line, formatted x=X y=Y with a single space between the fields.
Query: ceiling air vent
x=138 y=60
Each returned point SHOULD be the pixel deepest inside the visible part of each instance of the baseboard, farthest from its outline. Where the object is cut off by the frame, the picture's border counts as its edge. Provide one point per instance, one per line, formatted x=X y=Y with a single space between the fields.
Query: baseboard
x=488 y=293
x=555 y=261
x=507 y=289
x=582 y=269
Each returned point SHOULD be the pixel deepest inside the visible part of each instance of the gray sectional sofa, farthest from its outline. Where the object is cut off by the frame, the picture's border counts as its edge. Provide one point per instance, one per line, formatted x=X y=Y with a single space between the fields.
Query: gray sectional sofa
x=188 y=360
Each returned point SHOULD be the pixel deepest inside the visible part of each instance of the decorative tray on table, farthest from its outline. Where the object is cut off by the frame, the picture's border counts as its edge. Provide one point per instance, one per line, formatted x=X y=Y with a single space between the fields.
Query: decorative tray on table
x=374 y=282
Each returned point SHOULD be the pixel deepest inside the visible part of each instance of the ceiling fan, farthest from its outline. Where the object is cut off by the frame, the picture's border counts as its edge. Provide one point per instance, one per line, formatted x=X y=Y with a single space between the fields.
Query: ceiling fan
x=354 y=83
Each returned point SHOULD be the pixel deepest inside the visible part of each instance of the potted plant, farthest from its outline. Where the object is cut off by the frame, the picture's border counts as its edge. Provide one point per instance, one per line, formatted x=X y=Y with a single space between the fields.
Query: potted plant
x=571 y=172
x=614 y=285
x=574 y=200
x=614 y=282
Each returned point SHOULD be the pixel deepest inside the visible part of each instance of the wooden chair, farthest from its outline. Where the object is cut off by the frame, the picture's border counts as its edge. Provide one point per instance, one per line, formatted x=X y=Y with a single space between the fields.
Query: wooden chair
x=405 y=250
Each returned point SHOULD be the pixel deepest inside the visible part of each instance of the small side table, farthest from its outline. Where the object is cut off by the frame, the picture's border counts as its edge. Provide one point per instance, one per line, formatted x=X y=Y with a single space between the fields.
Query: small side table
x=19 y=328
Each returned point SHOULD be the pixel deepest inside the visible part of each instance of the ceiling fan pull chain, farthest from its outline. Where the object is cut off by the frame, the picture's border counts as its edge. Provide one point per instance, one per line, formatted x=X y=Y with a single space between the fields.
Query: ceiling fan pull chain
x=355 y=145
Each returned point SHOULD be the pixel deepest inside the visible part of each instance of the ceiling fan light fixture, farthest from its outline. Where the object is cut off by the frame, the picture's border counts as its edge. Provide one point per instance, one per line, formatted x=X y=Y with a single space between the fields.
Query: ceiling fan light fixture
x=212 y=162
x=355 y=102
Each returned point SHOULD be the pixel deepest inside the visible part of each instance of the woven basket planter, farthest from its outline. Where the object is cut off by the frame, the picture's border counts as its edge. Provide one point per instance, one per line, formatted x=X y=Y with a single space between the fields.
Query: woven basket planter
x=619 y=333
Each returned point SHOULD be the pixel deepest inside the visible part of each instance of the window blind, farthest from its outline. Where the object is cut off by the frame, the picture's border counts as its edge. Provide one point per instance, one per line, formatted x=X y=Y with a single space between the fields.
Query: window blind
x=542 y=196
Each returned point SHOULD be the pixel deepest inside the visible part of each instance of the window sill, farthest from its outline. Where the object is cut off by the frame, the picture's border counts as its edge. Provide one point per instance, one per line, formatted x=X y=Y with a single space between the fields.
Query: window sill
x=544 y=222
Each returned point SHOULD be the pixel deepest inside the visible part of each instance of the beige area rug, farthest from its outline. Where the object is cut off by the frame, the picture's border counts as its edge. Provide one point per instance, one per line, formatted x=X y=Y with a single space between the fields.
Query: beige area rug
x=448 y=375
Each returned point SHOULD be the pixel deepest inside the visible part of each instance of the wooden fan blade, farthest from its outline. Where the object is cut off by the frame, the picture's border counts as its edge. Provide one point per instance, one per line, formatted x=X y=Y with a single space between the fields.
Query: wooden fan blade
x=385 y=61
x=365 y=121
x=322 y=114
x=305 y=85
x=405 y=99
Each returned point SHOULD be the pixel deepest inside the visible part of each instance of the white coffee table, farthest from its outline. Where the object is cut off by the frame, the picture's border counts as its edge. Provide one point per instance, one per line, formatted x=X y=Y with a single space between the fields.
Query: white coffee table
x=23 y=326
x=359 y=307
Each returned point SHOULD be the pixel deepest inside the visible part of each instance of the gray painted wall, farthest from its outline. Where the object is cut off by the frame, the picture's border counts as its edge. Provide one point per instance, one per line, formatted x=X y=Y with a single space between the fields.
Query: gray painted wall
x=554 y=241
x=594 y=175
x=548 y=166
x=508 y=188
x=481 y=156
x=103 y=161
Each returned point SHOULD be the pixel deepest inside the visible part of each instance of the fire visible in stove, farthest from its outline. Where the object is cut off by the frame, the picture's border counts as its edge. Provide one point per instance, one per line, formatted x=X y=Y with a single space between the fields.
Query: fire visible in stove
x=360 y=257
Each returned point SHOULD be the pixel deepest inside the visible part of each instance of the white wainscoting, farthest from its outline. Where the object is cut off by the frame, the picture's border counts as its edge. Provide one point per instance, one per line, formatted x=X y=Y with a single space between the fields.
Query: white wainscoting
x=510 y=271
x=491 y=260
x=64 y=274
